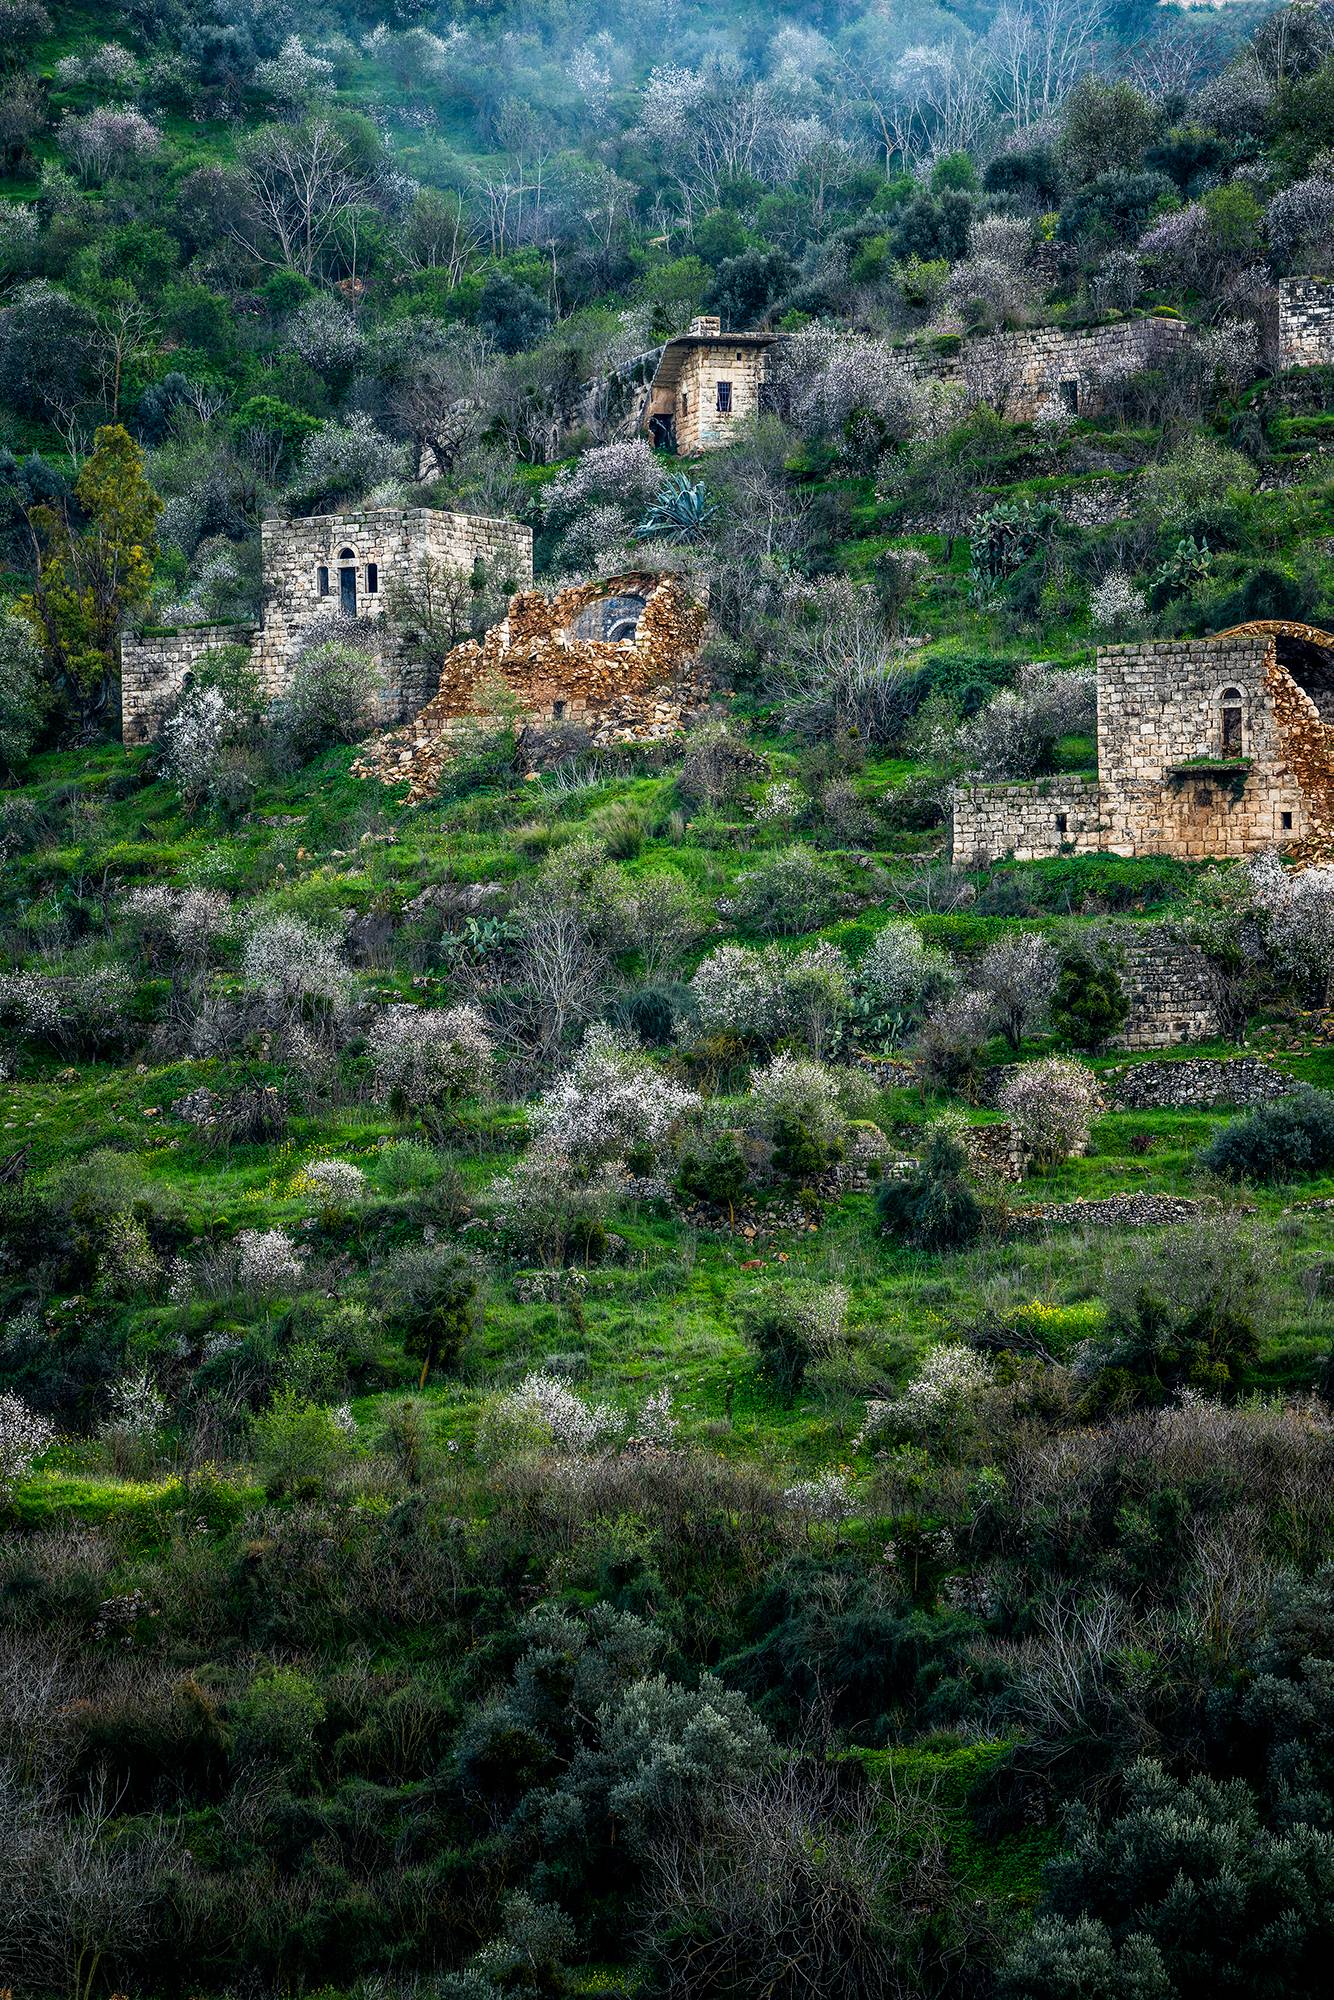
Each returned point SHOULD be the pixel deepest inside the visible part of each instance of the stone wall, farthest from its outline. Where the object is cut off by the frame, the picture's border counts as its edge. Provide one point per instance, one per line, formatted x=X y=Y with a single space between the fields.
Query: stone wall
x=700 y=424
x=1018 y=372
x=1025 y=821
x=154 y=669
x=633 y=688
x=1197 y=1083
x=1305 y=322
x=1170 y=992
x=309 y=580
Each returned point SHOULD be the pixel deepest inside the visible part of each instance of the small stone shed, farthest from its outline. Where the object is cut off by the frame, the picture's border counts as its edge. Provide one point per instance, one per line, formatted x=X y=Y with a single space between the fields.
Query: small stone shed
x=704 y=382
x=319 y=568
x=1206 y=748
x=619 y=655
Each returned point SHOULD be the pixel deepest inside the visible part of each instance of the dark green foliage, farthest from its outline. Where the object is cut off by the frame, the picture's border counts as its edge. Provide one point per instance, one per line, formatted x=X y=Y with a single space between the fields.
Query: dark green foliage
x=431 y=1295
x=934 y=1207
x=1276 y=1142
x=1187 y=1894
x=1089 y=1004
x=1184 y=1311
x=780 y=1327
x=745 y=287
x=717 y=1173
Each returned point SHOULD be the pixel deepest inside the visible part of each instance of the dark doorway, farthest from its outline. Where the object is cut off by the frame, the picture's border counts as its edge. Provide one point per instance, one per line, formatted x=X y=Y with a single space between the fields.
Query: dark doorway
x=1070 y=397
x=662 y=430
x=347 y=592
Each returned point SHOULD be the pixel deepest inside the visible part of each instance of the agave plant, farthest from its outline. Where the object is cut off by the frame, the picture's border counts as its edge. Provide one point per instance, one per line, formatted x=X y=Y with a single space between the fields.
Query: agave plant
x=682 y=509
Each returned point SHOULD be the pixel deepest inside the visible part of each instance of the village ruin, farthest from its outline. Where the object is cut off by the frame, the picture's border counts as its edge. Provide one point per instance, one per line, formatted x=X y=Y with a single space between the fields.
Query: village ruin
x=617 y=657
x=322 y=568
x=1207 y=748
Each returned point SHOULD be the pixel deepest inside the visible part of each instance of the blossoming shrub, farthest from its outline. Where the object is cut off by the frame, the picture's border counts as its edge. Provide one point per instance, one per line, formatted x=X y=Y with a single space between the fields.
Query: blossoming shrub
x=1051 y=1104
x=613 y=1104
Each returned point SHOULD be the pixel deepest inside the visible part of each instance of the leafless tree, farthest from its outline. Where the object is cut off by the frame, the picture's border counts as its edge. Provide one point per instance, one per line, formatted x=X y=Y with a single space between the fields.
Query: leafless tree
x=1038 y=50
x=301 y=183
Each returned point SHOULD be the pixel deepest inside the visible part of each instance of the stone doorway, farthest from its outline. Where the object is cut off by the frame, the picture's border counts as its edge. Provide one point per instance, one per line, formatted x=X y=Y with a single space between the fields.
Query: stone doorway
x=347 y=592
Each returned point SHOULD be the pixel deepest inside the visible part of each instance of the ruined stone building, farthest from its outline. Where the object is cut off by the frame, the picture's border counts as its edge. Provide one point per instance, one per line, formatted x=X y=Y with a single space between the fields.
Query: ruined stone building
x=318 y=568
x=618 y=656
x=1206 y=748
x=704 y=381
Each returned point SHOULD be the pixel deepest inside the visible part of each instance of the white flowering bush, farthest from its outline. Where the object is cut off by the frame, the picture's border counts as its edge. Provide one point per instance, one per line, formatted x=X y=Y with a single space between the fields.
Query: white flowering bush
x=1051 y=1104
x=613 y=1105
x=1018 y=976
x=1296 y=913
x=824 y=1499
x=268 y=1261
x=550 y=1211
x=1016 y=734
x=325 y=335
x=943 y=1395
x=176 y=924
x=106 y=141
x=426 y=1061
x=625 y=475
x=795 y=1102
x=771 y=995
x=346 y=460
x=296 y=75
x=296 y=967
x=137 y=1409
x=849 y=388
x=334 y=1186
x=333 y=695
x=901 y=979
x=779 y=804
x=543 y=1414
x=24 y=1436
x=1116 y=605
x=192 y=742
x=1053 y=421
x=109 y=68
x=31 y=1004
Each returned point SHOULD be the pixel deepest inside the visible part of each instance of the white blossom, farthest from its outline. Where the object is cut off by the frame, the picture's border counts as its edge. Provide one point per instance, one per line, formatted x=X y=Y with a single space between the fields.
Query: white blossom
x=425 y=1059
x=269 y=1261
x=947 y=1387
x=289 y=961
x=23 y=1437
x=138 y=1410
x=612 y=1102
x=1051 y=1104
x=1115 y=604
x=825 y=1498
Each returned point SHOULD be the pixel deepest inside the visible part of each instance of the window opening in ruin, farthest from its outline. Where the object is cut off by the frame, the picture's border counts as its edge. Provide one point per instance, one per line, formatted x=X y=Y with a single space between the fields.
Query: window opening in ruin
x=557 y=710
x=347 y=592
x=322 y=579
x=1070 y=397
x=1286 y=822
x=1062 y=823
x=685 y=401
x=1232 y=722
x=623 y=632
x=372 y=578
x=725 y=397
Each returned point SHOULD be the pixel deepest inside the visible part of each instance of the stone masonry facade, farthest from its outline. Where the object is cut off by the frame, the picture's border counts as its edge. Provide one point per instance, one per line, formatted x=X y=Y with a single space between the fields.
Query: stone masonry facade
x=1207 y=748
x=1170 y=991
x=618 y=656
x=705 y=382
x=1305 y=322
x=320 y=569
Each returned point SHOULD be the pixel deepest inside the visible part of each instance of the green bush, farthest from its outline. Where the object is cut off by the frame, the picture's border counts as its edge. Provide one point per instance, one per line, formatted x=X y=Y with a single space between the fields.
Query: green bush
x=1090 y=1004
x=1183 y=1312
x=1276 y=1142
x=934 y=1207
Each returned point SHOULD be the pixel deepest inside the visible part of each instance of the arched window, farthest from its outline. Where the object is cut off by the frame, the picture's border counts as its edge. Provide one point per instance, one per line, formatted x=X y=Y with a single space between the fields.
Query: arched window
x=1232 y=710
x=322 y=579
x=347 y=555
x=372 y=578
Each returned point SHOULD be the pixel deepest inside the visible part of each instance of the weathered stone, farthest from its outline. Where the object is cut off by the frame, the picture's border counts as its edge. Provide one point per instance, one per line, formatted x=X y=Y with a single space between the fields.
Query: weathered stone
x=1198 y=1083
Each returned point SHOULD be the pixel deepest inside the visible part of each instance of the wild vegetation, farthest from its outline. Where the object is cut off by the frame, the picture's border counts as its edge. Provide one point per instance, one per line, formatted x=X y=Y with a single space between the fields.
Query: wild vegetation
x=543 y=1448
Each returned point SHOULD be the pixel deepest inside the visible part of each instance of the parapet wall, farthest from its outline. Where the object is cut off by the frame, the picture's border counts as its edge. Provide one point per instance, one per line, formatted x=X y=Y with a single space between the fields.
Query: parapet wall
x=153 y=671
x=1026 y=821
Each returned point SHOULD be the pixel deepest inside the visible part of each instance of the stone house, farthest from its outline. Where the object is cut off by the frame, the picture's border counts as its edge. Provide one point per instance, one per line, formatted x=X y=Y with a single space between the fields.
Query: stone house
x=318 y=569
x=704 y=381
x=618 y=655
x=1206 y=748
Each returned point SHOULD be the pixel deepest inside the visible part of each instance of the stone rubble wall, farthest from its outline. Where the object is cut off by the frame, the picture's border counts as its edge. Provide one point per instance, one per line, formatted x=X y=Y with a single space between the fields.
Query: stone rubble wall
x=624 y=690
x=154 y=669
x=1197 y=1083
x=1305 y=322
x=1018 y=372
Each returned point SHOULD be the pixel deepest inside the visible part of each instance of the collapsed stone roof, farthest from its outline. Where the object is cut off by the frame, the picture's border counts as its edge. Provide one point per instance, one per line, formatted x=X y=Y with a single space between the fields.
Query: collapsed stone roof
x=618 y=654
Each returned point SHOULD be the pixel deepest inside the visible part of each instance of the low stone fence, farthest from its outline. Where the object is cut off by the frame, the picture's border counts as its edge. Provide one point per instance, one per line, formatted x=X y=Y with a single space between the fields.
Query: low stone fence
x=1117 y=1211
x=1197 y=1083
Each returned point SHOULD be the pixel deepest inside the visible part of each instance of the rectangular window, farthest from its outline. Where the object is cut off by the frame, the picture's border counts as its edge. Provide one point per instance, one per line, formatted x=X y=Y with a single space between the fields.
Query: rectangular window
x=1287 y=822
x=372 y=578
x=1070 y=397
x=1232 y=732
x=725 y=398
x=322 y=577
x=1062 y=823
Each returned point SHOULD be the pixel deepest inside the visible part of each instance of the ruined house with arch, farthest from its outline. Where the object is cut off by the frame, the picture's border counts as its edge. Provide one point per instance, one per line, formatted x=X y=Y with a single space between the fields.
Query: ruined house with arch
x=1207 y=748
